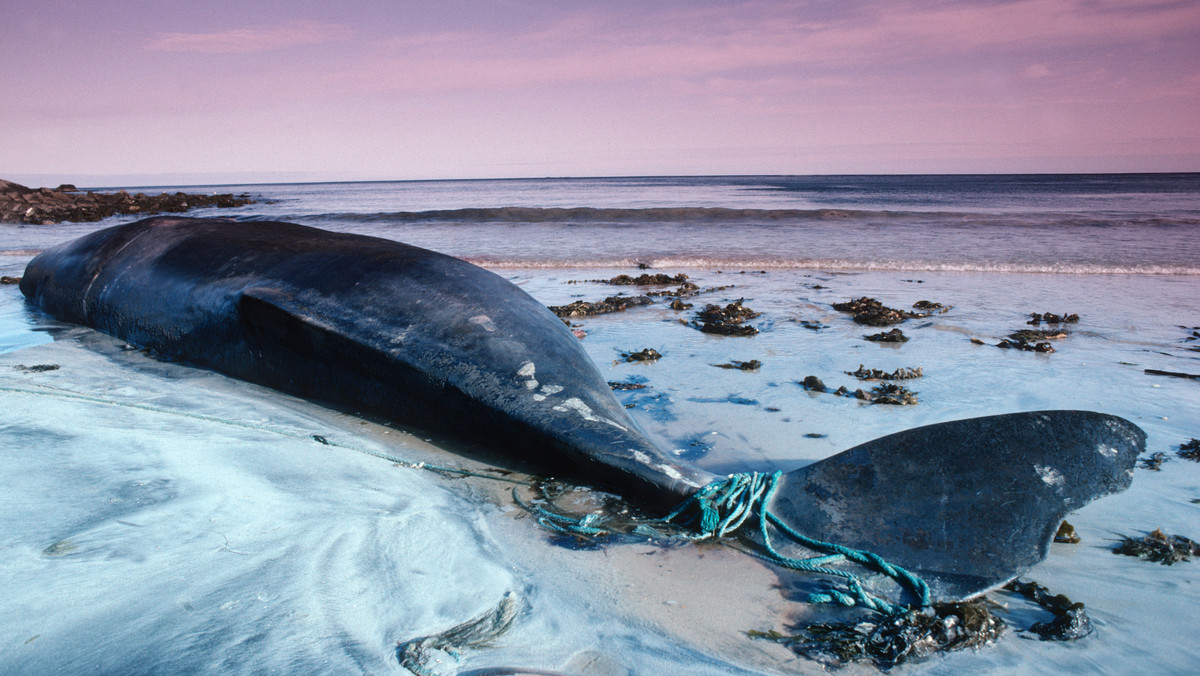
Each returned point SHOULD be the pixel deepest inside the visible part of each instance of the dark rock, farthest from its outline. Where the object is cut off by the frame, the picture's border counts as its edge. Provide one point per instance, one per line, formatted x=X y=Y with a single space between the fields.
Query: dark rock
x=627 y=386
x=10 y=280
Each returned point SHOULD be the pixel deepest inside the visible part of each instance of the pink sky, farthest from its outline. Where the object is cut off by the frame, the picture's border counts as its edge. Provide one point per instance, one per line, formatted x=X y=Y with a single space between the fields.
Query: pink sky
x=168 y=92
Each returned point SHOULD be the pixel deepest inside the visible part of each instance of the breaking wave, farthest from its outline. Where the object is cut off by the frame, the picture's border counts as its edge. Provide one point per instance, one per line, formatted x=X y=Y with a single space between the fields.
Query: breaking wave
x=751 y=264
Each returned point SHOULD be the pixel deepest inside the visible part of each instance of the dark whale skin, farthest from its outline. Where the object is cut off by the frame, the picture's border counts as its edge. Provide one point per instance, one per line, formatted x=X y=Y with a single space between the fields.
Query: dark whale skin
x=425 y=339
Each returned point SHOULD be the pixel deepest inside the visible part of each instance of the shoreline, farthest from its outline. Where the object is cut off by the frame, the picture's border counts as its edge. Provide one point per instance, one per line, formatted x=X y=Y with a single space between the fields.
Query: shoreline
x=47 y=206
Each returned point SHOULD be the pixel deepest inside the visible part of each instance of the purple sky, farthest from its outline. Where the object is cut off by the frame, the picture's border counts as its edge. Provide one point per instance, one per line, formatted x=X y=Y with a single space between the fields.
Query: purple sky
x=168 y=92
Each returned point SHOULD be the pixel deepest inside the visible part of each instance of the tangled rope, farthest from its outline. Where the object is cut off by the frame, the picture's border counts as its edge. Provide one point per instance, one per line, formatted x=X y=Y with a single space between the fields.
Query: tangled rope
x=722 y=507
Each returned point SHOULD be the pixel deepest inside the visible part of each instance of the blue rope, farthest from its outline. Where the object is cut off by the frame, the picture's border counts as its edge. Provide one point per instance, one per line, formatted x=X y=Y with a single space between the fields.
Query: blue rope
x=725 y=505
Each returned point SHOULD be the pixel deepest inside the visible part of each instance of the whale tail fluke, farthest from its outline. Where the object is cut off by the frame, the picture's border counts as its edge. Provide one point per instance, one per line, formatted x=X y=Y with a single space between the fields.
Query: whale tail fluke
x=966 y=505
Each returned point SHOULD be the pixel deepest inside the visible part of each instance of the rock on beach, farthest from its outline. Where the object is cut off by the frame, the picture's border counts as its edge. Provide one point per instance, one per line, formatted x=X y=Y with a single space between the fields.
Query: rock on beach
x=46 y=206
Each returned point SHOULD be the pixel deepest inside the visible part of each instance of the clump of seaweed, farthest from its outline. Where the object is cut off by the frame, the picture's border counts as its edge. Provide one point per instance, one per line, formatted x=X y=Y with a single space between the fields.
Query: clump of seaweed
x=1190 y=450
x=627 y=386
x=418 y=655
x=929 y=307
x=581 y=308
x=647 y=354
x=893 y=336
x=728 y=321
x=864 y=373
x=871 y=312
x=1153 y=461
x=752 y=365
x=658 y=279
x=891 y=393
x=1031 y=340
x=36 y=368
x=885 y=393
x=1070 y=621
x=1036 y=318
x=889 y=642
x=1159 y=547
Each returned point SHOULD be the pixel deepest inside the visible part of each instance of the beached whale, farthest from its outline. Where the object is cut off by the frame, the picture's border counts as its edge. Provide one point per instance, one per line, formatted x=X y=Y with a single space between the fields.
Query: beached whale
x=439 y=344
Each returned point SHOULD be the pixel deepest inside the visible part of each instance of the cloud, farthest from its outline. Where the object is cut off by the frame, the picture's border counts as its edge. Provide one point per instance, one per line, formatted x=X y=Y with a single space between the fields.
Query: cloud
x=248 y=40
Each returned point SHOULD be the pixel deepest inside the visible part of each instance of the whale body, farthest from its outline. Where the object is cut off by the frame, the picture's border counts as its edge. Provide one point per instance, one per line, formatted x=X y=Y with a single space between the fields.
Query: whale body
x=438 y=344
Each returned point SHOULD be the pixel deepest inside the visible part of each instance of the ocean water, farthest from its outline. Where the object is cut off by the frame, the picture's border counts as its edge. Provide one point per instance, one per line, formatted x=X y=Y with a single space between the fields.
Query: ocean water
x=286 y=557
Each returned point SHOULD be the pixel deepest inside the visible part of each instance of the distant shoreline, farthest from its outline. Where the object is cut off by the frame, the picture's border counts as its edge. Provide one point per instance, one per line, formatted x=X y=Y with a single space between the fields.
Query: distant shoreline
x=47 y=206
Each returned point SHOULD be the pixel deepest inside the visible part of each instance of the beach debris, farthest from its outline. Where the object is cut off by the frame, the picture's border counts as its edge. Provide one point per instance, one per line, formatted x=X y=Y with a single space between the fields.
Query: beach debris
x=36 y=368
x=1031 y=340
x=813 y=384
x=419 y=655
x=1190 y=450
x=1192 y=338
x=627 y=386
x=930 y=307
x=752 y=365
x=581 y=308
x=884 y=393
x=1154 y=461
x=1070 y=621
x=658 y=279
x=10 y=280
x=46 y=206
x=726 y=321
x=1159 y=547
x=871 y=312
x=644 y=355
x=1036 y=318
x=891 y=641
x=1173 y=374
x=893 y=336
x=891 y=393
x=1066 y=534
x=864 y=373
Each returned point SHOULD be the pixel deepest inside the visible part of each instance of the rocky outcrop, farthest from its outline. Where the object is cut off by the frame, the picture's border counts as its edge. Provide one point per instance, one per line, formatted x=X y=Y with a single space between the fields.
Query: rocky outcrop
x=45 y=206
